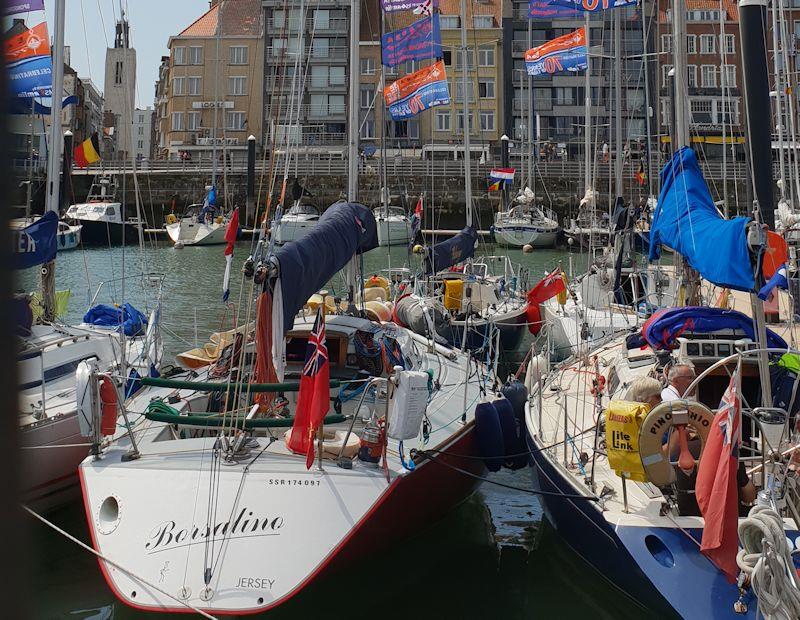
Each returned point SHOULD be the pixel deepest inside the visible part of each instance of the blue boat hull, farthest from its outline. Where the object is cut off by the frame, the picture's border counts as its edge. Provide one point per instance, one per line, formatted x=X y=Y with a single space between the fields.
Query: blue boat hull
x=660 y=567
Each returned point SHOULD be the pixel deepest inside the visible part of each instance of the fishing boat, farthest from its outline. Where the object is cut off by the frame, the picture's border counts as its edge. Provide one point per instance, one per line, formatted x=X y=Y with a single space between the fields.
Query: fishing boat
x=102 y=218
x=296 y=223
x=228 y=491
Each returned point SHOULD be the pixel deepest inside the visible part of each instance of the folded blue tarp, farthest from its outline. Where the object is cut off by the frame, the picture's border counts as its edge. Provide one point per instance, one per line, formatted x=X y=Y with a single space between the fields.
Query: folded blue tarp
x=126 y=317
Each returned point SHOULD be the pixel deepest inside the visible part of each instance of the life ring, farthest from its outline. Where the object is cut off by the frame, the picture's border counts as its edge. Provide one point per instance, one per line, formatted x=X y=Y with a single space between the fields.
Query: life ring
x=171 y=219
x=677 y=413
x=332 y=443
x=378 y=281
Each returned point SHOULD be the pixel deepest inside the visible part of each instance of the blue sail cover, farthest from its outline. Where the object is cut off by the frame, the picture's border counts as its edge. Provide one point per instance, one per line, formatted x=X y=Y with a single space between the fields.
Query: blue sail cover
x=662 y=330
x=308 y=264
x=125 y=318
x=456 y=249
x=687 y=221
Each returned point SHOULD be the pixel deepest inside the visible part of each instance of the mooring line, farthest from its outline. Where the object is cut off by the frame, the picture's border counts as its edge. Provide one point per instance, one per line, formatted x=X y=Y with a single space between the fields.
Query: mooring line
x=80 y=543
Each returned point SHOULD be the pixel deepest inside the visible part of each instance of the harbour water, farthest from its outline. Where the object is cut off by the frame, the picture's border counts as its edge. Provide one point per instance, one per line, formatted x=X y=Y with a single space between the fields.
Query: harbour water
x=490 y=558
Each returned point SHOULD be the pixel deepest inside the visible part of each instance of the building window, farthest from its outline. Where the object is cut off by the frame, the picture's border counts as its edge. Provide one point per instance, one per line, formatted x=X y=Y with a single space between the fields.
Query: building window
x=322 y=19
x=234 y=120
x=141 y=130
x=729 y=77
x=460 y=59
x=320 y=48
x=634 y=99
x=367 y=66
x=691 y=72
x=238 y=55
x=665 y=69
x=141 y=118
x=708 y=76
x=729 y=44
x=701 y=110
x=447 y=56
x=118 y=72
x=177 y=121
x=460 y=122
x=702 y=16
x=179 y=55
x=178 y=86
x=708 y=44
x=691 y=44
x=486 y=56
x=482 y=21
x=336 y=104
x=194 y=85
x=195 y=55
x=410 y=67
x=487 y=120
x=486 y=88
x=140 y=144
x=460 y=91
x=237 y=85
x=564 y=96
x=448 y=21
x=337 y=76
x=282 y=46
x=665 y=112
x=366 y=97
x=442 y=120
x=666 y=43
x=193 y=121
x=368 y=129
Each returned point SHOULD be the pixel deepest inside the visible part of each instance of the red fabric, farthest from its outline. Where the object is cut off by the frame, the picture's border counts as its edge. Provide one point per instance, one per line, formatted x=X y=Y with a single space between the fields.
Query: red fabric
x=775 y=256
x=232 y=232
x=78 y=157
x=550 y=286
x=313 y=400
x=717 y=490
x=418 y=209
x=265 y=369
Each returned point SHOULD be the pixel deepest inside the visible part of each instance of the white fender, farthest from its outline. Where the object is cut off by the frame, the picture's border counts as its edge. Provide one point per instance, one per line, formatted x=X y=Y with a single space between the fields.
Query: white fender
x=86 y=400
x=538 y=367
x=659 y=421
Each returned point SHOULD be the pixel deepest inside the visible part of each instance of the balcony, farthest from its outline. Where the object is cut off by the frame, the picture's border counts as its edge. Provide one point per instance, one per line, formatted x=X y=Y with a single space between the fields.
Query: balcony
x=332 y=26
x=274 y=54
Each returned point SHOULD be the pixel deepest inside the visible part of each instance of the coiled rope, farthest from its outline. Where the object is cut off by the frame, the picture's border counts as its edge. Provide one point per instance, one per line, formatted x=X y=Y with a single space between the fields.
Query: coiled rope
x=766 y=558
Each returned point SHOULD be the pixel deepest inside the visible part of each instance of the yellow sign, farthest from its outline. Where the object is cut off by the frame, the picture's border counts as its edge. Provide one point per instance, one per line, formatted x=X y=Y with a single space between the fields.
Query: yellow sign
x=623 y=419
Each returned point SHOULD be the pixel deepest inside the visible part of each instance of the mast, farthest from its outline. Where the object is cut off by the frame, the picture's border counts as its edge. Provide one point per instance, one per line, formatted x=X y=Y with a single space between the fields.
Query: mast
x=753 y=16
x=48 y=281
x=587 y=108
x=725 y=108
x=352 y=124
x=648 y=128
x=216 y=100
x=467 y=116
x=531 y=144
x=776 y=64
x=680 y=97
x=618 y=111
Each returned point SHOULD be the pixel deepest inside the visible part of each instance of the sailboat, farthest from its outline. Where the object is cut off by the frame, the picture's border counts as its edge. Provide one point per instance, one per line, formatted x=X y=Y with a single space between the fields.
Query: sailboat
x=49 y=352
x=526 y=224
x=211 y=492
x=200 y=224
x=628 y=481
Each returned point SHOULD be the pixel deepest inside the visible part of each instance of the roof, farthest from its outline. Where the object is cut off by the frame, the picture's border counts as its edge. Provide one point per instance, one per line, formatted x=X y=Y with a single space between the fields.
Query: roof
x=730 y=6
x=475 y=7
x=238 y=17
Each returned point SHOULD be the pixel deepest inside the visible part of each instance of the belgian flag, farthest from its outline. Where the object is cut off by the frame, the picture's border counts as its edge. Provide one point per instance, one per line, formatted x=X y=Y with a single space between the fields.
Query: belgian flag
x=641 y=175
x=87 y=152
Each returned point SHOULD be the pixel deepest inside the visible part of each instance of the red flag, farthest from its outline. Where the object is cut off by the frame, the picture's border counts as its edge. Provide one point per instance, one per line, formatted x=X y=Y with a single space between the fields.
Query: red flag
x=418 y=209
x=550 y=286
x=314 y=398
x=716 y=490
x=230 y=236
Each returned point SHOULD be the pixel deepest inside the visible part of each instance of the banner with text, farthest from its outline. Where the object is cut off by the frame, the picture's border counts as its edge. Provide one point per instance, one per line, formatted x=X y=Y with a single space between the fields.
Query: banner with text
x=12 y=7
x=563 y=54
x=390 y=6
x=548 y=9
x=418 y=91
x=591 y=6
x=35 y=244
x=419 y=41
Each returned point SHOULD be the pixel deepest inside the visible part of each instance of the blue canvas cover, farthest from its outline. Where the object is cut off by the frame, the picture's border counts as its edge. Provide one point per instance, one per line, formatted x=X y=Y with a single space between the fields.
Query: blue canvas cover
x=448 y=253
x=125 y=316
x=36 y=243
x=306 y=265
x=662 y=330
x=687 y=221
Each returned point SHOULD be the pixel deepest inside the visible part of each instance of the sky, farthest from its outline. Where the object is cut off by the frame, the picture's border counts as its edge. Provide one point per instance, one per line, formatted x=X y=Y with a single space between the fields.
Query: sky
x=152 y=22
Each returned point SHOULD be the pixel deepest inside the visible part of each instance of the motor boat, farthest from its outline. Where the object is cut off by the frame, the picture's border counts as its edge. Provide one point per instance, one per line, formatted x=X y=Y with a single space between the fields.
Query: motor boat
x=296 y=223
x=102 y=217
x=210 y=490
x=68 y=236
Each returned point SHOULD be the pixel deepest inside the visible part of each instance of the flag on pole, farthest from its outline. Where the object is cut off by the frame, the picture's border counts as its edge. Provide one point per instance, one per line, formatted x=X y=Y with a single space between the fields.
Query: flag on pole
x=550 y=286
x=87 y=152
x=416 y=220
x=425 y=8
x=230 y=238
x=499 y=177
x=779 y=280
x=314 y=397
x=641 y=175
x=717 y=490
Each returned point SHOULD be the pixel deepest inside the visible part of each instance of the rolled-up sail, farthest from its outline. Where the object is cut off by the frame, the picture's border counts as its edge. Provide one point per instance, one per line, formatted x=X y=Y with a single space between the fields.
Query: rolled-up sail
x=448 y=253
x=687 y=221
x=306 y=265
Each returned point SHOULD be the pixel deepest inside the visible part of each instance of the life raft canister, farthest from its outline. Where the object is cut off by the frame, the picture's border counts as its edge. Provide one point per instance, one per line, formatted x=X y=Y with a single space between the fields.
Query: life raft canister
x=678 y=414
x=108 y=406
x=623 y=420
x=453 y=292
x=378 y=281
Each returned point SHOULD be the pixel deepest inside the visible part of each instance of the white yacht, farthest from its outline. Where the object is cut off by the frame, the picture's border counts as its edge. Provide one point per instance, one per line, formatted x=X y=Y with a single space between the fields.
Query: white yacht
x=519 y=226
x=199 y=225
x=101 y=216
x=295 y=224
x=394 y=226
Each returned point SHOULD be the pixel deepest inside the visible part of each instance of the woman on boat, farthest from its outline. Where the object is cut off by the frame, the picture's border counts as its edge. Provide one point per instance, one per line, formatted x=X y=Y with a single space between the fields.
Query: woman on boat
x=645 y=390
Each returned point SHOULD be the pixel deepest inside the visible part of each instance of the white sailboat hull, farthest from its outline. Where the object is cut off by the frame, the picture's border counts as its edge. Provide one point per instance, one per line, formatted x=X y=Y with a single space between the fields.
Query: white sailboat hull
x=393 y=230
x=518 y=235
x=292 y=229
x=191 y=232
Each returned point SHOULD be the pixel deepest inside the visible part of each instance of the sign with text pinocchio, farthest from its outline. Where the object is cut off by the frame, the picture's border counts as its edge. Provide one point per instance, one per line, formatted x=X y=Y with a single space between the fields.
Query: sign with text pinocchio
x=567 y=53
x=417 y=92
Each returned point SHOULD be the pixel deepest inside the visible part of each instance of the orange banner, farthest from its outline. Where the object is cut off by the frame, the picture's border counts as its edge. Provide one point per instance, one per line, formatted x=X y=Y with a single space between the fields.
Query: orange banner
x=33 y=42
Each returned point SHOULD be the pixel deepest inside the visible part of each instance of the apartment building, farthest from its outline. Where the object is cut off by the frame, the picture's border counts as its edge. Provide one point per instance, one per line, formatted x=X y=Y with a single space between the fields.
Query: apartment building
x=142 y=127
x=714 y=74
x=209 y=90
